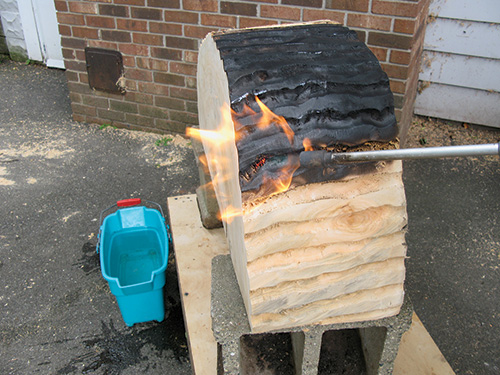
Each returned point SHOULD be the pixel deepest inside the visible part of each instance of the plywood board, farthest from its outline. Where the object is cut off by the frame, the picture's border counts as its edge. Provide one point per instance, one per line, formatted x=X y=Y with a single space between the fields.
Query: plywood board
x=195 y=247
x=419 y=349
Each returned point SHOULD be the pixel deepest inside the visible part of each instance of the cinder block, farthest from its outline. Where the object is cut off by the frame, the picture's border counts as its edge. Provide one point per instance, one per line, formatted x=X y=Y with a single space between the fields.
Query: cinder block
x=379 y=339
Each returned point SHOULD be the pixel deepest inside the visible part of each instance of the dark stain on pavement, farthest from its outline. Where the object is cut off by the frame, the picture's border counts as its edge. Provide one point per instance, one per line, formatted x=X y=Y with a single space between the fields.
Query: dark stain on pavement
x=113 y=350
x=89 y=261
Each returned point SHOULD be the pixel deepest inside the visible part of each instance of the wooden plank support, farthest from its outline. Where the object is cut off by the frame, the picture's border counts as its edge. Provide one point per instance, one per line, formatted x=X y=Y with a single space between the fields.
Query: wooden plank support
x=195 y=247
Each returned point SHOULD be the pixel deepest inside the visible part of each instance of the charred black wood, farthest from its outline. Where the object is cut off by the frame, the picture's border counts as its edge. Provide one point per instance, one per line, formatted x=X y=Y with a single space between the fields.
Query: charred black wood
x=258 y=186
x=326 y=83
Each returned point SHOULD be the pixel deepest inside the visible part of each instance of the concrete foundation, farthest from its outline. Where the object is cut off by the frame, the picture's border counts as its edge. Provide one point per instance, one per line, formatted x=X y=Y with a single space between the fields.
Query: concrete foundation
x=379 y=338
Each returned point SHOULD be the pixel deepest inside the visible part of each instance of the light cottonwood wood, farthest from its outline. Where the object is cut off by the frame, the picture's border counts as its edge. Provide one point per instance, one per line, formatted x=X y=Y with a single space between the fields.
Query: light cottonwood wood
x=330 y=250
x=304 y=202
x=387 y=178
x=214 y=106
x=292 y=294
x=195 y=247
x=386 y=301
x=308 y=262
x=349 y=227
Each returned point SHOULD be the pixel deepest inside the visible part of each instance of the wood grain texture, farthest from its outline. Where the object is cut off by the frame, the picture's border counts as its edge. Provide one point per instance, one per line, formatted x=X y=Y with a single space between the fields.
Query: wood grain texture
x=332 y=246
x=322 y=252
x=349 y=227
x=379 y=302
x=330 y=262
x=308 y=262
x=323 y=199
x=195 y=247
x=292 y=294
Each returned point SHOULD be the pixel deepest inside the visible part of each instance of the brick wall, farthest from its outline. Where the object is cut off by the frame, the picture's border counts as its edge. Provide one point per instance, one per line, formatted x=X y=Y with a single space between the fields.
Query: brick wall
x=159 y=41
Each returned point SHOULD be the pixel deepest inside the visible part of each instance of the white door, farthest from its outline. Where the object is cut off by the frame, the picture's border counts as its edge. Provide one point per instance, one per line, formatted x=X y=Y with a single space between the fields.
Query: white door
x=41 y=32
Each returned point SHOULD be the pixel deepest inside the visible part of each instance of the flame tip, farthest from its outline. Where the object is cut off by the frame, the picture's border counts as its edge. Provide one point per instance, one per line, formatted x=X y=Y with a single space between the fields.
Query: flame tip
x=225 y=132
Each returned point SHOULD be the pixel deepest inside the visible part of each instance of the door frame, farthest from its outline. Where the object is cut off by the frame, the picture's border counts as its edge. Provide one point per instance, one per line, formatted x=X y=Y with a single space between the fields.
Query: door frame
x=41 y=32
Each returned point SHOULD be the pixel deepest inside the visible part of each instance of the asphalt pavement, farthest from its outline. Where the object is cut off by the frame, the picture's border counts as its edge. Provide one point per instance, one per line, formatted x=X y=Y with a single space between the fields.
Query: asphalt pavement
x=56 y=176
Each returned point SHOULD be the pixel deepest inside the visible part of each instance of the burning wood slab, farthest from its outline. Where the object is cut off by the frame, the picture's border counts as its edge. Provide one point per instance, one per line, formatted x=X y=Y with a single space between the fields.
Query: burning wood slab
x=309 y=245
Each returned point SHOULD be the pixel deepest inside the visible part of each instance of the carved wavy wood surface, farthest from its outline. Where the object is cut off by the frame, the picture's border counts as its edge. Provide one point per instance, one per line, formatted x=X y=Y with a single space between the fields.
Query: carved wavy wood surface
x=308 y=262
x=331 y=250
x=365 y=304
x=325 y=82
x=327 y=244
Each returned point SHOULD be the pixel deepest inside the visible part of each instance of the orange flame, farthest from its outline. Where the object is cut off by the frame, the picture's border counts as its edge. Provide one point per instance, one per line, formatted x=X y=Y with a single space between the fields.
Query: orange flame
x=230 y=213
x=281 y=184
x=246 y=111
x=203 y=160
x=217 y=139
x=269 y=117
x=225 y=133
x=274 y=185
x=212 y=136
x=307 y=144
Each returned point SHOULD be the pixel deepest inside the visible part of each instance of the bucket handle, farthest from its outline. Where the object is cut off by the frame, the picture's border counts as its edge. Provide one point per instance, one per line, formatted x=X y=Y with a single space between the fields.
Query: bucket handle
x=129 y=202
x=124 y=203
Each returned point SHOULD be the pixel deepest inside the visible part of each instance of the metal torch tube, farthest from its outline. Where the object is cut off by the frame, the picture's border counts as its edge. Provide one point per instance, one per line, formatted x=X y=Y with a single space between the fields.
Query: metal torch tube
x=417 y=153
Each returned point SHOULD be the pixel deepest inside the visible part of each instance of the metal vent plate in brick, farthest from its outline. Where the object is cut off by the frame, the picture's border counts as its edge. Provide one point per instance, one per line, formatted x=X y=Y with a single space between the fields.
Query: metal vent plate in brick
x=105 y=70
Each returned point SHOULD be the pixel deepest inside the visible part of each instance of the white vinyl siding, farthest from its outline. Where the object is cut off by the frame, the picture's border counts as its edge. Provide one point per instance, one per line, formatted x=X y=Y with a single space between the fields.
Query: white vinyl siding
x=460 y=73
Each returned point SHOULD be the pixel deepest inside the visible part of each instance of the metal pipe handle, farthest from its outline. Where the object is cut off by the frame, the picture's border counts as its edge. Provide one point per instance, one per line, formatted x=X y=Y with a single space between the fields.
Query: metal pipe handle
x=417 y=153
x=325 y=158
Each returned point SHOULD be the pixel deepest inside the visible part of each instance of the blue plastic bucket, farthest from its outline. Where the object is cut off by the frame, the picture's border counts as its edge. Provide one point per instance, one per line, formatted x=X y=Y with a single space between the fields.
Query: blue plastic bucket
x=133 y=247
